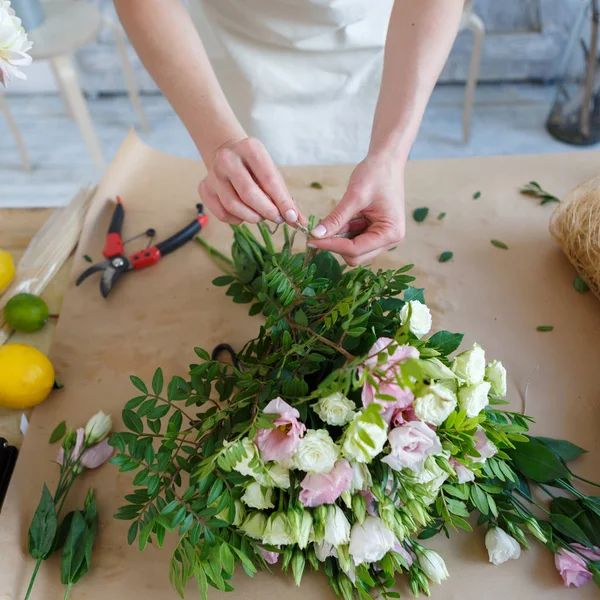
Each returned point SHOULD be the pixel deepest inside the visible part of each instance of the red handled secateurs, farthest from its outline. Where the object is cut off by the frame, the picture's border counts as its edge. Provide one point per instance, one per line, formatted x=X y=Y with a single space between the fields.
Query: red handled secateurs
x=117 y=263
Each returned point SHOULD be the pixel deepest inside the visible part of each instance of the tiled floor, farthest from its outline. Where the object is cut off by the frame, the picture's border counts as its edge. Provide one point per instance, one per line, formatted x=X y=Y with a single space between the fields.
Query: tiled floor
x=507 y=119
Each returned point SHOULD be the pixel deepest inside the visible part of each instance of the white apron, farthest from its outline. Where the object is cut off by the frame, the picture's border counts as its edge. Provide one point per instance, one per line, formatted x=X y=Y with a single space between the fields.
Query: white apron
x=302 y=76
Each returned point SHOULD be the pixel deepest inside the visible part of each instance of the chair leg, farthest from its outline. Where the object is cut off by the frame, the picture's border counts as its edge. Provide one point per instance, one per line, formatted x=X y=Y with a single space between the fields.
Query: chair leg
x=61 y=90
x=18 y=137
x=476 y=25
x=134 y=96
x=65 y=71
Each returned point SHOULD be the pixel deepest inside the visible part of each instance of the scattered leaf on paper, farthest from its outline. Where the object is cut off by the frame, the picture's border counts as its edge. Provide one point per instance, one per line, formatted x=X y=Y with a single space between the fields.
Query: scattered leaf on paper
x=499 y=244
x=316 y=185
x=580 y=285
x=441 y=215
x=533 y=188
x=420 y=214
x=58 y=386
x=545 y=328
x=446 y=256
x=87 y=258
x=476 y=195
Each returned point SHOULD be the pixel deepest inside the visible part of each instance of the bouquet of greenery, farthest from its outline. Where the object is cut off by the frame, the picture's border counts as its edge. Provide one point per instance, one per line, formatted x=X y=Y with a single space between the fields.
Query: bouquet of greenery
x=340 y=437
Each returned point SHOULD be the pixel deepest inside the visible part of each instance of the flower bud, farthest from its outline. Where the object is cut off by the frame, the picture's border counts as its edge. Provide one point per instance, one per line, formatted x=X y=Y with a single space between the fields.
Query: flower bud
x=517 y=533
x=359 y=507
x=501 y=546
x=254 y=525
x=304 y=529
x=535 y=529
x=416 y=510
x=298 y=562
x=97 y=428
x=433 y=565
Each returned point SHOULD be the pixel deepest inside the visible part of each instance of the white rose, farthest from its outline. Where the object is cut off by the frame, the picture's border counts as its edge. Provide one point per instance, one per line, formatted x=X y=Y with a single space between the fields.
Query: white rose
x=280 y=475
x=495 y=373
x=323 y=551
x=316 y=453
x=419 y=321
x=354 y=448
x=243 y=465
x=436 y=370
x=278 y=531
x=257 y=496
x=361 y=479
x=371 y=541
x=474 y=398
x=470 y=365
x=432 y=477
x=501 y=546
x=433 y=565
x=335 y=409
x=240 y=513
x=435 y=405
x=337 y=527
x=254 y=525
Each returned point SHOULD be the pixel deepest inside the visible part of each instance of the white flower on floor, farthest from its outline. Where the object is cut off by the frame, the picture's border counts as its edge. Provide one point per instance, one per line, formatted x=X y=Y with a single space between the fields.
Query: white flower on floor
x=14 y=45
x=501 y=546
x=418 y=316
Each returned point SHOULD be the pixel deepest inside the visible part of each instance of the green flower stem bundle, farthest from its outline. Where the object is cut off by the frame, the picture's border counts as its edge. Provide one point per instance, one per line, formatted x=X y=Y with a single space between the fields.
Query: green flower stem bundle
x=340 y=438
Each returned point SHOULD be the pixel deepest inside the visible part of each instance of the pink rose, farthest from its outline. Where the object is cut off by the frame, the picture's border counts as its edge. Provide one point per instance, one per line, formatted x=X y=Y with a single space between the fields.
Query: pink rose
x=271 y=558
x=76 y=451
x=464 y=475
x=411 y=444
x=96 y=455
x=485 y=448
x=281 y=442
x=572 y=567
x=326 y=488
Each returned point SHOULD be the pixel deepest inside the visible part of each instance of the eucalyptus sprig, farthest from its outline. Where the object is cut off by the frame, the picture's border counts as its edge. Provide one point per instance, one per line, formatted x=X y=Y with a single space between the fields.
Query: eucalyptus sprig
x=534 y=189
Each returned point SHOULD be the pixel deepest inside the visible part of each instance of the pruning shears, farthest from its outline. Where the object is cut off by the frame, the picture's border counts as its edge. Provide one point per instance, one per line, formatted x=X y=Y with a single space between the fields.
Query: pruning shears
x=116 y=263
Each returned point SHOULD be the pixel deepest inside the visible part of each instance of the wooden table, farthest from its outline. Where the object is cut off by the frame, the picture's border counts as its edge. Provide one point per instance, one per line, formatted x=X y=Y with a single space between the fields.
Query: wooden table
x=17 y=227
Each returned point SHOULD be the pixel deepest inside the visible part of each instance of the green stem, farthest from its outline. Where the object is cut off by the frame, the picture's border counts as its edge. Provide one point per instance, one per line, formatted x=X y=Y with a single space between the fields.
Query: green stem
x=545 y=489
x=586 y=480
x=266 y=236
x=68 y=591
x=33 y=576
x=213 y=252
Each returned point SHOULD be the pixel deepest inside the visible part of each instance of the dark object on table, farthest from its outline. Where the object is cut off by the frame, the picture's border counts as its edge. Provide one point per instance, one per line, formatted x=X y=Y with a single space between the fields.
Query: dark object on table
x=117 y=263
x=8 y=459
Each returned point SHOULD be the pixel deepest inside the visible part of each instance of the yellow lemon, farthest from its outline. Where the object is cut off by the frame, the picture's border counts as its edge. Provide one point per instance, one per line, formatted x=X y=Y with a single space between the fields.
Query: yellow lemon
x=7 y=269
x=26 y=376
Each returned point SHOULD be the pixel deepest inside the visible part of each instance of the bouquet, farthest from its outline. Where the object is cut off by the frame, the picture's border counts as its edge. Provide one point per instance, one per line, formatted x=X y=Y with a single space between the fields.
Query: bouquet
x=341 y=438
x=14 y=45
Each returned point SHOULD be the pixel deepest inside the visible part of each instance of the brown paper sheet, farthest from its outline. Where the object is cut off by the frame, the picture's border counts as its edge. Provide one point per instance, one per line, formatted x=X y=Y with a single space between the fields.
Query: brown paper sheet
x=156 y=317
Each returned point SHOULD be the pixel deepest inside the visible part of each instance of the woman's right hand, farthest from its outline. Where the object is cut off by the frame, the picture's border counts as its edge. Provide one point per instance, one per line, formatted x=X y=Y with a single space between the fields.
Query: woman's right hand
x=243 y=184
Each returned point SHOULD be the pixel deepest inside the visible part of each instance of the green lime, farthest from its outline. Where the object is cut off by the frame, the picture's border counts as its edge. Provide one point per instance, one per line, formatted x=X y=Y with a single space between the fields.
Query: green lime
x=26 y=312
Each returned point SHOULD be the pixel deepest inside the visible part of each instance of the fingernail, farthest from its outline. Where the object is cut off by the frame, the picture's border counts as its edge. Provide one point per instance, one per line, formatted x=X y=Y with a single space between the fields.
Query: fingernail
x=318 y=231
x=291 y=216
x=278 y=219
x=310 y=246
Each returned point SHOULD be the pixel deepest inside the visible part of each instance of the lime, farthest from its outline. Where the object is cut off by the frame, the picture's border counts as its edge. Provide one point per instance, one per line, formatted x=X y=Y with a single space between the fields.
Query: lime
x=7 y=269
x=26 y=312
x=26 y=376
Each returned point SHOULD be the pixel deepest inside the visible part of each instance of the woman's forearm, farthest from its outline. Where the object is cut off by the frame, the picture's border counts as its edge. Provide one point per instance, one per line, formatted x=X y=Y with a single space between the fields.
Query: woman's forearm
x=168 y=44
x=420 y=36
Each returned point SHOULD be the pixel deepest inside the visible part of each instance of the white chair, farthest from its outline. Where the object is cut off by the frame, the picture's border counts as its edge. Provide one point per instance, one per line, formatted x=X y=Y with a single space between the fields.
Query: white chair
x=15 y=130
x=70 y=25
x=474 y=23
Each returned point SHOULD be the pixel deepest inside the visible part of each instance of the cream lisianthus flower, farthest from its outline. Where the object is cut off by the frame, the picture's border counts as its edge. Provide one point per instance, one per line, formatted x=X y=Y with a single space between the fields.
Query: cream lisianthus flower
x=14 y=45
x=335 y=409
x=418 y=316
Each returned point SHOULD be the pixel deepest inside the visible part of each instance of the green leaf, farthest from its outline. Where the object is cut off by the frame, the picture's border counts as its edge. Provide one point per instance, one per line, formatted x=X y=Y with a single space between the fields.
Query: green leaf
x=327 y=267
x=215 y=492
x=301 y=318
x=441 y=216
x=139 y=384
x=244 y=262
x=480 y=499
x=223 y=280
x=87 y=258
x=134 y=402
x=316 y=185
x=157 y=382
x=445 y=342
x=420 y=214
x=73 y=552
x=132 y=421
x=580 y=285
x=538 y=462
x=58 y=433
x=562 y=448
x=202 y=581
x=476 y=195
x=227 y=559
x=568 y=527
x=446 y=256
x=545 y=327
x=255 y=309
x=499 y=244
x=43 y=527
x=132 y=532
x=413 y=293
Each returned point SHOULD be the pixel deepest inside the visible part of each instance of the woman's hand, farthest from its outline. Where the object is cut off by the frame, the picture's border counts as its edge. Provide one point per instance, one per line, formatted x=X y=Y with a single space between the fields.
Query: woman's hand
x=243 y=184
x=373 y=207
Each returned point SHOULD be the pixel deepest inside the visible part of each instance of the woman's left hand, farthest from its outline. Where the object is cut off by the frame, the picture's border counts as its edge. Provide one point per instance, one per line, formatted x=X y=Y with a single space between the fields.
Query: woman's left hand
x=373 y=207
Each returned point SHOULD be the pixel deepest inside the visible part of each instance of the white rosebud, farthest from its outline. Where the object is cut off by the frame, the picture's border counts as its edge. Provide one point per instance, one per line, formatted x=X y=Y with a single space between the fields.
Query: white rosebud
x=316 y=453
x=97 y=428
x=495 y=373
x=470 y=365
x=254 y=525
x=323 y=551
x=337 y=527
x=435 y=370
x=371 y=541
x=361 y=479
x=304 y=530
x=474 y=398
x=419 y=321
x=277 y=532
x=433 y=565
x=280 y=475
x=335 y=409
x=240 y=513
x=355 y=448
x=501 y=546
x=257 y=496
x=435 y=405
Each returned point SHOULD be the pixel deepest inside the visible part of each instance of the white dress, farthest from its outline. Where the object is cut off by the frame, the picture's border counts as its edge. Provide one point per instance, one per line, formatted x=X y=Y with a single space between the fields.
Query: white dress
x=302 y=76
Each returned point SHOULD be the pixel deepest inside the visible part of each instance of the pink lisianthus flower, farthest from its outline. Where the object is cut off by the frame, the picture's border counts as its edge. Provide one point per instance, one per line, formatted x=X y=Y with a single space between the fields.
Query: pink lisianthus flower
x=326 y=488
x=411 y=445
x=370 y=501
x=76 y=451
x=572 y=567
x=483 y=445
x=404 y=553
x=95 y=456
x=281 y=442
x=401 y=416
x=463 y=473
x=271 y=558
x=400 y=354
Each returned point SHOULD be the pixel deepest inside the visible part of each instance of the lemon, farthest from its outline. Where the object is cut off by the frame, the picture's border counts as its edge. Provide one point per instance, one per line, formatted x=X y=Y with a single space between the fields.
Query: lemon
x=26 y=376
x=7 y=269
x=26 y=312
